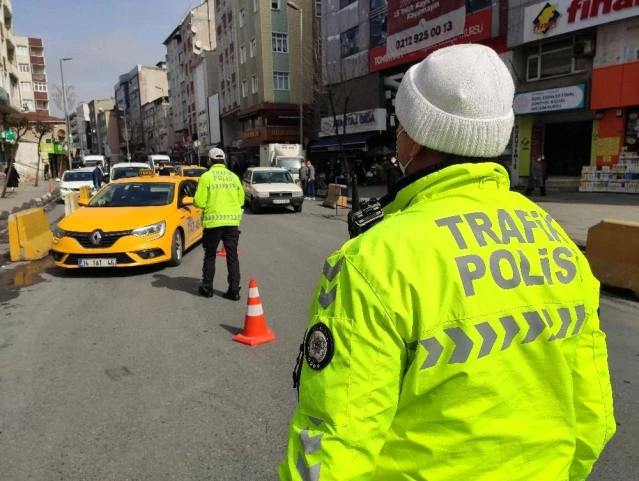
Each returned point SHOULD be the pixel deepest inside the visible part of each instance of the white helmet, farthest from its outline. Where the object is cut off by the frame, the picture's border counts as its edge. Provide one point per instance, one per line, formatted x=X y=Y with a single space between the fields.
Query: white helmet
x=217 y=154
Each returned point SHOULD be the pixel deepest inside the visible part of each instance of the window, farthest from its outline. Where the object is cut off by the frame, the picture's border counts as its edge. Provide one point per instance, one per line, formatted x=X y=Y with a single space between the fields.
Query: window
x=349 y=42
x=275 y=4
x=25 y=86
x=318 y=8
x=40 y=87
x=25 y=67
x=345 y=3
x=253 y=47
x=280 y=42
x=27 y=105
x=243 y=54
x=241 y=17
x=378 y=30
x=552 y=59
x=473 y=5
x=254 y=86
x=255 y=3
x=280 y=80
x=375 y=4
x=244 y=89
x=22 y=50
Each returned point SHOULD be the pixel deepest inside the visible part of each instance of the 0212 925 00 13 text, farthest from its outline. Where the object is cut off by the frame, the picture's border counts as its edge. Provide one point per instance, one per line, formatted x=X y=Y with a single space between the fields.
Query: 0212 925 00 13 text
x=424 y=36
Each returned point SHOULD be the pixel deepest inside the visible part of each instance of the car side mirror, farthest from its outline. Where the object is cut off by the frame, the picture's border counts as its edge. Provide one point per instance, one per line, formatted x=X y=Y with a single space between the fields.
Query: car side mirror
x=187 y=201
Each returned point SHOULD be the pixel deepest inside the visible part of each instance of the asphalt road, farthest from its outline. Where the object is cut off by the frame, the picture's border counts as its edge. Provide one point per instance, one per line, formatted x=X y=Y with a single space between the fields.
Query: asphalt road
x=129 y=375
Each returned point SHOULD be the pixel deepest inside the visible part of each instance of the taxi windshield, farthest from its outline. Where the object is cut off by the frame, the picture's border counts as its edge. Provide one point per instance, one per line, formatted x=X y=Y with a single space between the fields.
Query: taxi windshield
x=192 y=172
x=71 y=176
x=140 y=194
x=126 y=172
x=277 y=177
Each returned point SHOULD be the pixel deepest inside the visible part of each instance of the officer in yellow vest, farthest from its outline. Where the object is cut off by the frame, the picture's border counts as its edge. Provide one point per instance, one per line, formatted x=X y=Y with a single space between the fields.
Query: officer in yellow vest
x=220 y=195
x=458 y=338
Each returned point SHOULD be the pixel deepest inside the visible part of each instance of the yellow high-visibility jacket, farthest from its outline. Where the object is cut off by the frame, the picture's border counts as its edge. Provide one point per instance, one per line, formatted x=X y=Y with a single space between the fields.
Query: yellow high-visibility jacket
x=220 y=195
x=458 y=339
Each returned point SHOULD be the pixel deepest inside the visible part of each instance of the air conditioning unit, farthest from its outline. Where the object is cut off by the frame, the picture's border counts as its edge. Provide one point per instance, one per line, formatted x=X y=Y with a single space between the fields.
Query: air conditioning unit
x=584 y=49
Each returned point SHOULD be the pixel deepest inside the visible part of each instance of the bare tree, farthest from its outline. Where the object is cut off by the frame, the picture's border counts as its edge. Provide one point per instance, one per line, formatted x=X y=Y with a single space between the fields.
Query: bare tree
x=40 y=129
x=58 y=99
x=20 y=125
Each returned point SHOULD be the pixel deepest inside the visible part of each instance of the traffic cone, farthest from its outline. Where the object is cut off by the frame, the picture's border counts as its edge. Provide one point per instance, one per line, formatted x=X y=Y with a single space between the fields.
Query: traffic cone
x=255 y=329
x=221 y=252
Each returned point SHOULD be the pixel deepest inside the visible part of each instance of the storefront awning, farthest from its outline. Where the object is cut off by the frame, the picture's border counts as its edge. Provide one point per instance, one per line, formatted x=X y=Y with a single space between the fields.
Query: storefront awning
x=349 y=141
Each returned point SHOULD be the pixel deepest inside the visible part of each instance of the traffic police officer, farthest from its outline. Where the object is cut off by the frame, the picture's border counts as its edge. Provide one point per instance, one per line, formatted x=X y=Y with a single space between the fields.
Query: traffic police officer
x=458 y=338
x=220 y=195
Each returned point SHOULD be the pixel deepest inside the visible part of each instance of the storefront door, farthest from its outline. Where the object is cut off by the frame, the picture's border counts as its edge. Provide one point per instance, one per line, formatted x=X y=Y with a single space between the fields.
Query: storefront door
x=567 y=147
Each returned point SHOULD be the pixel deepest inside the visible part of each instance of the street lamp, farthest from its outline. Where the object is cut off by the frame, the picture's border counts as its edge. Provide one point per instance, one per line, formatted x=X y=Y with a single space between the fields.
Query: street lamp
x=294 y=6
x=64 y=103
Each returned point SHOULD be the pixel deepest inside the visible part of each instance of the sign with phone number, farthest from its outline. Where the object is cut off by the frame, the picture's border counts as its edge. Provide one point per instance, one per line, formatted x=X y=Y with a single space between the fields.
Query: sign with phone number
x=418 y=24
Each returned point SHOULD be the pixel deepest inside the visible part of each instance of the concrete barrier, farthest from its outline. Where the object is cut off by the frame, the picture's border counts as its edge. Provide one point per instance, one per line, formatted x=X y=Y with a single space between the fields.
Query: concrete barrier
x=85 y=193
x=612 y=248
x=71 y=203
x=30 y=237
x=337 y=194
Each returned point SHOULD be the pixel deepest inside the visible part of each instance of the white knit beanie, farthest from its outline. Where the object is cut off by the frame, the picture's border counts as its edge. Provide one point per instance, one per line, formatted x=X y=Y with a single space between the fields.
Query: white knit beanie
x=458 y=100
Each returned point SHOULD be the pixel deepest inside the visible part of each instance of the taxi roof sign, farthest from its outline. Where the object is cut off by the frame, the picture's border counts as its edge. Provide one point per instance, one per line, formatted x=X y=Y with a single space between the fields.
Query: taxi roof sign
x=146 y=173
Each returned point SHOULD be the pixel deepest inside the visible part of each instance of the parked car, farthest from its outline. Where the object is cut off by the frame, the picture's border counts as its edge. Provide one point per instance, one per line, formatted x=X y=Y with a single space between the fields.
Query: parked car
x=72 y=180
x=271 y=187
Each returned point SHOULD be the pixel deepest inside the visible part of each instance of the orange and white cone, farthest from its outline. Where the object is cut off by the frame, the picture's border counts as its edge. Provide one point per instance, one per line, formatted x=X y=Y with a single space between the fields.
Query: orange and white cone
x=255 y=329
x=221 y=252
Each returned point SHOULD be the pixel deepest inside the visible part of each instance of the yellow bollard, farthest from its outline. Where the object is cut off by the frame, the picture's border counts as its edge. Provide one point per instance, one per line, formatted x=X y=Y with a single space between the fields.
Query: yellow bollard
x=85 y=194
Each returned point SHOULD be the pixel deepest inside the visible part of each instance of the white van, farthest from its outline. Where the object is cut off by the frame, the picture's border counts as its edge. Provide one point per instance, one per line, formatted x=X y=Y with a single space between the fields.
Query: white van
x=92 y=160
x=155 y=160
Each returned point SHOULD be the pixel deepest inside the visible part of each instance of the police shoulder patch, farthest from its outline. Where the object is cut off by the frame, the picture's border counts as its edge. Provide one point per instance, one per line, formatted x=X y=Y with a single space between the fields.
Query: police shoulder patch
x=319 y=347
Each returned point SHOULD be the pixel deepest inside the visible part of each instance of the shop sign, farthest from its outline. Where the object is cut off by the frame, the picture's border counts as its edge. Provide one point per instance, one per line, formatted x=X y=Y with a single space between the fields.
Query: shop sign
x=550 y=18
x=617 y=43
x=282 y=132
x=356 y=122
x=52 y=148
x=563 y=98
x=251 y=134
x=418 y=24
x=9 y=135
x=516 y=146
x=477 y=28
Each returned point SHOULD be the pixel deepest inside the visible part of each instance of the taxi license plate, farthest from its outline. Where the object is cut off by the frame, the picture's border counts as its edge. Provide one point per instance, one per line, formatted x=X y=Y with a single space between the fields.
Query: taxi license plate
x=97 y=262
x=281 y=201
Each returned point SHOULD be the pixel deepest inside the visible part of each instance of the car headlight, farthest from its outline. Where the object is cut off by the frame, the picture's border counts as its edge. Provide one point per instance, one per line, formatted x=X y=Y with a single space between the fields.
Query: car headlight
x=262 y=194
x=155 y=231
x=59 y=233
x=297 y=194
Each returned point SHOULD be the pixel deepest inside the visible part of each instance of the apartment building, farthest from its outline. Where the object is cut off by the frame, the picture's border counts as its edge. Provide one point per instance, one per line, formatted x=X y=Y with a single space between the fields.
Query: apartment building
x=185 y=47
x=95 y=107
x=109 y=135
x=32 y=74
x=75 y=126
x=157 y=126
x=135 y=89
x=9 y=86
x=84 y=128
x=260 y=82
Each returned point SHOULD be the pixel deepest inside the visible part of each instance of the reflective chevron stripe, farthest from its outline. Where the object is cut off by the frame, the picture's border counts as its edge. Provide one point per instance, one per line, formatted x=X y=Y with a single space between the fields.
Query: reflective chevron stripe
x=310 y=445
x=330 y=272
x=459 y=341
x=327 y=298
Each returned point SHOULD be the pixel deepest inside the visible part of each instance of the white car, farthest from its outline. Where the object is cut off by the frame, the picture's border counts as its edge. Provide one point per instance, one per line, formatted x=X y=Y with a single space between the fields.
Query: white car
x=126 y=169
x=72 y=180
x=271 y=187
x=92 y=160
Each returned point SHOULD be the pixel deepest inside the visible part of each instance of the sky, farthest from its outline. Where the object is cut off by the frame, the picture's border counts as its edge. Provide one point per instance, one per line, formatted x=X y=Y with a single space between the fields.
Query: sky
x=105 y=38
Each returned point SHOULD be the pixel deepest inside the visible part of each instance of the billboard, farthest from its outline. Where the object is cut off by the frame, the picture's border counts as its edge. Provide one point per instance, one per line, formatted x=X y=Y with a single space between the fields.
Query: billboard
x=418 y=24
x=478 y=27
x=557 y=17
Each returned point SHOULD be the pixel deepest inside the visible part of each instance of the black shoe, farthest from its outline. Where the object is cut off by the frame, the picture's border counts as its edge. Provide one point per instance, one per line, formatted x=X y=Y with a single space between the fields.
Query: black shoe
x=232 y=295
x=205 y=291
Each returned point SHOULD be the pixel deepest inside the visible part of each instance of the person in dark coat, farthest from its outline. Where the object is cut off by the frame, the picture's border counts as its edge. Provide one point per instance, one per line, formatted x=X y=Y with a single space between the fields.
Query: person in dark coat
x=13 y=179
x=393 y=174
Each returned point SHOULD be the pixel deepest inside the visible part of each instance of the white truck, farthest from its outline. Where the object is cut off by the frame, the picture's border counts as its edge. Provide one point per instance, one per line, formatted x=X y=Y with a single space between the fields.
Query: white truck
x=288 y=156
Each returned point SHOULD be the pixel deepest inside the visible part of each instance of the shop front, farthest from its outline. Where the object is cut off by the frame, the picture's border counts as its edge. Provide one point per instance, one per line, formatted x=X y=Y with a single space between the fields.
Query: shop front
x=553 y=125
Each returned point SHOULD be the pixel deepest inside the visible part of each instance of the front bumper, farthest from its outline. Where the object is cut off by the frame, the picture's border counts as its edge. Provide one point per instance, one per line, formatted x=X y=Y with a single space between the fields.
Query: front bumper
x=127 y=251
x=277 y=201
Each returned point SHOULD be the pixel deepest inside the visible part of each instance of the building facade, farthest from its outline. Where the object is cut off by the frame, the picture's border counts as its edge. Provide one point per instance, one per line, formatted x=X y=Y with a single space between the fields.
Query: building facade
x=157 y=126
x=577 y=102
x=109 y=135
x=133 y=90
x=266 y=72
x=95 y=108
x=84 y=128
x=186 y=47
x=32 y=74
x=9 y=85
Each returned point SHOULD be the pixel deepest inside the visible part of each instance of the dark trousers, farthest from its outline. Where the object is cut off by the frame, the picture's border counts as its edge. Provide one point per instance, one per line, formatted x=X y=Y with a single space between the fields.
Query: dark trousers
x=230 y=236
x=310 y=188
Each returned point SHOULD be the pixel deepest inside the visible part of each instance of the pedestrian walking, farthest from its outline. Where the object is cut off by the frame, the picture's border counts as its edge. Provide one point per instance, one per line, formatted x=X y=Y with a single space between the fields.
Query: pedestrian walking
x=13 y=177
x=220 y=195
x=98 y=176
x=458 y=338
x=303 y=175
x=310 y=180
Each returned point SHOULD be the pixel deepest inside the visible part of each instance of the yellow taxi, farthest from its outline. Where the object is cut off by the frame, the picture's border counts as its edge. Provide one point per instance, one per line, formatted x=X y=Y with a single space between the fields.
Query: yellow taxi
x=191 y=171
x=131 y=222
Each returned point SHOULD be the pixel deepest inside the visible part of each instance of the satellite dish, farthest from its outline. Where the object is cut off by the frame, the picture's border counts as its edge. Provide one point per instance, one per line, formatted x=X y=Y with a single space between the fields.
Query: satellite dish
x=194 y=29
x=198 y=44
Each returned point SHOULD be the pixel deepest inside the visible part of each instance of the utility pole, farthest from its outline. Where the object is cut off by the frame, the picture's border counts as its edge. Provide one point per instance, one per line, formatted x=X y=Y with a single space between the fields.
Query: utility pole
x=294 y=6
x=66 y=115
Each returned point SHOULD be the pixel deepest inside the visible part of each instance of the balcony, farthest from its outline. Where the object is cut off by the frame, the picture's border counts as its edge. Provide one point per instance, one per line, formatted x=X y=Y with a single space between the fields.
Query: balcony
x=35 y=42
x=41 y=96
x=37 y=60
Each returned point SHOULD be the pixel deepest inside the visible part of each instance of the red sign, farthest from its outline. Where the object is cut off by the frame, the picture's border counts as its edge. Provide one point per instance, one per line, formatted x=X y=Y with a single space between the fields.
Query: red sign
x=478 y=28
x=418 y=24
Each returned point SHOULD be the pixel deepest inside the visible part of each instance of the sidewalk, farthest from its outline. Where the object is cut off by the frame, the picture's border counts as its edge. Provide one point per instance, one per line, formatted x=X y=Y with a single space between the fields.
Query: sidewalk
x=25 y=197
x=576 y=212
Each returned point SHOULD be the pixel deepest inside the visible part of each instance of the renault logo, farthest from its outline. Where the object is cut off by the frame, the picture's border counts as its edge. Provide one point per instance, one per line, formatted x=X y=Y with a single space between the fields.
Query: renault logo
x=96 y=238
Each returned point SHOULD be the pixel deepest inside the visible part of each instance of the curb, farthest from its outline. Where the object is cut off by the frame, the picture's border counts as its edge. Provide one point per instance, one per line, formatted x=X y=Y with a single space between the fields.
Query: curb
x=41 y=201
